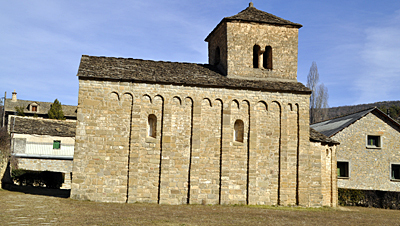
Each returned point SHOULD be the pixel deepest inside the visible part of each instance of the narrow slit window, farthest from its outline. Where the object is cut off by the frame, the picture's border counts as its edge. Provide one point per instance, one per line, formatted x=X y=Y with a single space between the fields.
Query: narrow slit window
x=152 y=126
x=238 y=130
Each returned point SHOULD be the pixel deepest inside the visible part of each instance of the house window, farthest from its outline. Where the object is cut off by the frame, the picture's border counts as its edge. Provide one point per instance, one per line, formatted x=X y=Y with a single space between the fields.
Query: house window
x=152 y=126
x=34 y=108
x=57 y=144
x=238 y=130
x=267 y=59
x=395 y=171
x=342 y=169
x=374 y=141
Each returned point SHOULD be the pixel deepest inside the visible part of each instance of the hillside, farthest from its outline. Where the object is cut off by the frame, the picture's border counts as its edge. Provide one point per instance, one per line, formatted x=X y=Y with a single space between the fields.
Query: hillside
x=393 y=106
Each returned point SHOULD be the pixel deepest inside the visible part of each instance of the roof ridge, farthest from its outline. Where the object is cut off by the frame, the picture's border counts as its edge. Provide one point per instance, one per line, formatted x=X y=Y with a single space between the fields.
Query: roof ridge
x=160 y=61
x=341 y=116
x=41 y=102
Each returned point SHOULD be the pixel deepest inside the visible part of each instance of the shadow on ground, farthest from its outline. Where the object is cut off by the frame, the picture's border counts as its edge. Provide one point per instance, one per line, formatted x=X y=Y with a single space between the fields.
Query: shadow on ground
x=60 y=193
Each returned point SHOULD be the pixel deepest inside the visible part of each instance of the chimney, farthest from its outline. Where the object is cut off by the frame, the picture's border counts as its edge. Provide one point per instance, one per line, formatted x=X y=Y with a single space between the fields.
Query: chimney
x=14 y=96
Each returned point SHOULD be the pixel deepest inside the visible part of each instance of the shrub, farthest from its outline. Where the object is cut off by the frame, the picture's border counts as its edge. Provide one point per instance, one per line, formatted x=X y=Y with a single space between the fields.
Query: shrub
x=369 y=198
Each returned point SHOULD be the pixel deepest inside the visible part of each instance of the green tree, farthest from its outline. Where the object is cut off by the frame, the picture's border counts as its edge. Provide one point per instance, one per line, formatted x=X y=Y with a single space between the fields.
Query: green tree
x=56 y=111
x=20 y=110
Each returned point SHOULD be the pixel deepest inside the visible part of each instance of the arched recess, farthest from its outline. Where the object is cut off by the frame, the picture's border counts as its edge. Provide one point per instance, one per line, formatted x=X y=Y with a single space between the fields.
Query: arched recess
x=262 y=105
x=262 y=158
x=127 y=97
x=297 y=109
x=207 y=102
x=290 y=107
x=158 y=100
x=235 y=104
x=276 y=112
x=146 y=99
x=126 y=104
x=177 y=100
x=114 y=96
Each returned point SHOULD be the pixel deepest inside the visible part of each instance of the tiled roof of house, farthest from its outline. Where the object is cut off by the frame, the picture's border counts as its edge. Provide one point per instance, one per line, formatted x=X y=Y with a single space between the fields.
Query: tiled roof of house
x=43 y=108
x=40 y=126
x=190 y=74
x=316 y=136
x=332 y=126
x=251 y=14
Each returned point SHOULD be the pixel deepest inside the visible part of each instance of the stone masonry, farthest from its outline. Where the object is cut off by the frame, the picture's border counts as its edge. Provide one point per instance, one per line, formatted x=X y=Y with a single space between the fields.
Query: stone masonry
x=180 y=133
x=370 y=168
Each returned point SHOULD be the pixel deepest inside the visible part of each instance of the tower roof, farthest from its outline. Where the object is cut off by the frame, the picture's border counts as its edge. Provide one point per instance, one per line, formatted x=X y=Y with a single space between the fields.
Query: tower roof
x=251 y=14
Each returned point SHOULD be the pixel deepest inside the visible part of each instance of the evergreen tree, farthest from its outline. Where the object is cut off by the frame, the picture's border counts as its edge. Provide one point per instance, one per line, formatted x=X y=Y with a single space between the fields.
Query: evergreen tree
x=56 y=111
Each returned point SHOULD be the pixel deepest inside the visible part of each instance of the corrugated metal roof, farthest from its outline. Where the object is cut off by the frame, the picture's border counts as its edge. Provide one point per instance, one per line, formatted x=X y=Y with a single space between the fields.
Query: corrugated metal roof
x=332 y=126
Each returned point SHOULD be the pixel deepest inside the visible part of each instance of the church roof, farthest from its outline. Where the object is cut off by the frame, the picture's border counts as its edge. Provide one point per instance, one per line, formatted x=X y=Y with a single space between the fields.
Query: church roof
x=251 y=14
x=40 y=126
x=333 y=126
x=190 y=74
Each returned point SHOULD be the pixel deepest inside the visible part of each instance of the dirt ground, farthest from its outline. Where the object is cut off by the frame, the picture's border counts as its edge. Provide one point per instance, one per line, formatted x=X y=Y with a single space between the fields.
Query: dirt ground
x=18 y=208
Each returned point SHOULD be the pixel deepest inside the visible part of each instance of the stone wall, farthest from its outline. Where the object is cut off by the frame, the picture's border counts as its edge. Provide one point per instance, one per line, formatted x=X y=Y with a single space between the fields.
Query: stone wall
x=193 y=158
x=369 y=168
x=328 y=180
x=55 y=165
x=239 y=38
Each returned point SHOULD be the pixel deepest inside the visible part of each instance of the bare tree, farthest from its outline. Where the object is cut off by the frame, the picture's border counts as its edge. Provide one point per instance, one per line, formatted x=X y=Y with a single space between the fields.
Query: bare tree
x=319 y=97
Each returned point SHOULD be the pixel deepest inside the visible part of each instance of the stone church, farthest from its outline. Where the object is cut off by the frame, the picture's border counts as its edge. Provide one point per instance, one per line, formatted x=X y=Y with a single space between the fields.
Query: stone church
x=234 y=131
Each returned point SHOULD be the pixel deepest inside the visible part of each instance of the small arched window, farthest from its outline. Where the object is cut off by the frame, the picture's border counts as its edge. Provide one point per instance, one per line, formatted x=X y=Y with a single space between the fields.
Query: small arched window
x=238 y=130
x=256 y=56
x=267 y=58
x=152 y=126
x=217 y=56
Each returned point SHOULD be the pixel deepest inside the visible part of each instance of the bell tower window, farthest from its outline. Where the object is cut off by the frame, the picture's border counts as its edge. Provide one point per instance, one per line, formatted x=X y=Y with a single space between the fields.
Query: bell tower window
x=256 y=56
x=267 y=58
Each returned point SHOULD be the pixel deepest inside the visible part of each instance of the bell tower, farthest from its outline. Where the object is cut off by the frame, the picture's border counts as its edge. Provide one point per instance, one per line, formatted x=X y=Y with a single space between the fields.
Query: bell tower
x=255 y=45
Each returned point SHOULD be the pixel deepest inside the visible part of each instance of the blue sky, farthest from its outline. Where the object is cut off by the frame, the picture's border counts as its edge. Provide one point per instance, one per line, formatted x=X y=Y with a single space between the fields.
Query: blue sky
x=356 y=44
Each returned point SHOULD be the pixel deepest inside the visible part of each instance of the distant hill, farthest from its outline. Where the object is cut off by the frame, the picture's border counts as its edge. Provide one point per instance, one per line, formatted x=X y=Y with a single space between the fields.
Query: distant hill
x=393 y=106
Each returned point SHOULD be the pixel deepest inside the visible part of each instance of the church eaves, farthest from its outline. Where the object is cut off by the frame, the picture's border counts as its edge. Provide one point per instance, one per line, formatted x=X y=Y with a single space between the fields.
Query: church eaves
x=190 y=74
